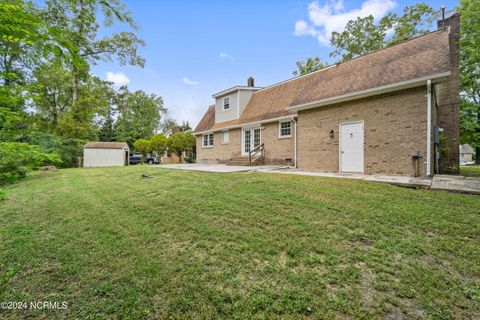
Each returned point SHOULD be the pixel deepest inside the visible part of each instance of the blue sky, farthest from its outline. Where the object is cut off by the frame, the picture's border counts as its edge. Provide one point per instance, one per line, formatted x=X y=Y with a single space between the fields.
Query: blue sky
x=197 y=48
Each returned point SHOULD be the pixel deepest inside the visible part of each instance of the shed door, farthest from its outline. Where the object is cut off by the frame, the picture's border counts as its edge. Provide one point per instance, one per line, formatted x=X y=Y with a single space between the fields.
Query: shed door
x=351 y=147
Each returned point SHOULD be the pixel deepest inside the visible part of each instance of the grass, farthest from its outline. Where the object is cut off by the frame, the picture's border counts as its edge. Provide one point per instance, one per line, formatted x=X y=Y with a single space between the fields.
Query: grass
x=236 y=246
x=470 y=171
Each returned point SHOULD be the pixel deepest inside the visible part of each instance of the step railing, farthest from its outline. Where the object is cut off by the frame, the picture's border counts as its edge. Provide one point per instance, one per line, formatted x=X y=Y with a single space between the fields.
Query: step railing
x=258 y=149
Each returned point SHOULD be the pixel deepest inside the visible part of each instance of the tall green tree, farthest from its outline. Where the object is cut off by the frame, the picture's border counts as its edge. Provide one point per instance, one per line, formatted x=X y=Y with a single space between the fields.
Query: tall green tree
x=185 y=126
x=470 y=74
x=139 y=115
x=309 y=65
x=78 y=21
x=364 y=35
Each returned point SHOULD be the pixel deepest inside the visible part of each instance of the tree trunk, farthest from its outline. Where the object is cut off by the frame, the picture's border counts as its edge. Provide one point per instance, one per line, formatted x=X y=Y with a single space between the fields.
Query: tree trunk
x=74 y=87
x=477 y=155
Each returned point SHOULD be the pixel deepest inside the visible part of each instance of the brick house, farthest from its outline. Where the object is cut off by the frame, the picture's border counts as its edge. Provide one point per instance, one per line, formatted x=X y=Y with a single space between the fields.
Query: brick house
x=393 y=111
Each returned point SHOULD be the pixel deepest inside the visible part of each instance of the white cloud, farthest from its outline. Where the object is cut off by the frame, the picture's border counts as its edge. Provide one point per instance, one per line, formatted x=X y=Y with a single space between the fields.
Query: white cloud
x=118 y=78
x=190 y=82
x=226 y=56
x=332 y=16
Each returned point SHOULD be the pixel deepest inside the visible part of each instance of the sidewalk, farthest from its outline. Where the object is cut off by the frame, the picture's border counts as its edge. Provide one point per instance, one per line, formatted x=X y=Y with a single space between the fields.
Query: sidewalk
x=439 y=182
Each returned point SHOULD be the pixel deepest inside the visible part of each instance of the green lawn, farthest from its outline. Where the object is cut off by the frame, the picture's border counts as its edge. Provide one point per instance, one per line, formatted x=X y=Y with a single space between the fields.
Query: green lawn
x=470 y=171
x=247 y=245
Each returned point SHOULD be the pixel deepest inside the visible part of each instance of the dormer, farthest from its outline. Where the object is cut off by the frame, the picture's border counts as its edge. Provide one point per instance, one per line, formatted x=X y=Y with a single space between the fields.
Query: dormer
x=229 y=104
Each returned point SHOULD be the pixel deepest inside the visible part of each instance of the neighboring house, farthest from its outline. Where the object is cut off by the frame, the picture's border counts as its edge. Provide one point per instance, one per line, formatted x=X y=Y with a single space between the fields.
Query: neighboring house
x=105 y=154
x=381 y=113
x=466 y=154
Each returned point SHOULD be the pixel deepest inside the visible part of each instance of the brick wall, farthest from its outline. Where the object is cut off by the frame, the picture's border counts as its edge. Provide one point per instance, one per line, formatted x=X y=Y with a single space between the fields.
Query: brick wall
x=448 y=110
x=394 y=130
x=277 y=151
x=219 y=153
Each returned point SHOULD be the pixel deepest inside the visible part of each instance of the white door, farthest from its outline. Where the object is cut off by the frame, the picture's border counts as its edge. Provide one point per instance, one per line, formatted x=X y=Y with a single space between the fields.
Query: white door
x=250 y=140
x=351 y=147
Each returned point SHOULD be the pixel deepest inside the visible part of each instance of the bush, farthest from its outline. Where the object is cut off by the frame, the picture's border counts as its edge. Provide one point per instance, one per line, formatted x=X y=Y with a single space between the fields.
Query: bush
x=17 y=158
x=68 y=149
x=2 y=195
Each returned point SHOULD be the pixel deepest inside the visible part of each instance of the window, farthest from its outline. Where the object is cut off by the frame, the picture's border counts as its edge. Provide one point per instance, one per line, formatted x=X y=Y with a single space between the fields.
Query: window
x=226 y=103
x=285 y=129
x=225 y=137
x=208 y=140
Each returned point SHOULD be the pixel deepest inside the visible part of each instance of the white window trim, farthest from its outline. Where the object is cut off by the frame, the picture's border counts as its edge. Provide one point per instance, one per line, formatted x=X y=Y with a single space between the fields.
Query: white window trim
x=229 y=103
x=223 y=132
x=280 y=129
x=203 y=137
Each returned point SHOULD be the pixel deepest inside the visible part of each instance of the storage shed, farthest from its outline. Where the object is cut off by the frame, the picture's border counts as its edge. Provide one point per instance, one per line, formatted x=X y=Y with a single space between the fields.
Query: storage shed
x=105 y=154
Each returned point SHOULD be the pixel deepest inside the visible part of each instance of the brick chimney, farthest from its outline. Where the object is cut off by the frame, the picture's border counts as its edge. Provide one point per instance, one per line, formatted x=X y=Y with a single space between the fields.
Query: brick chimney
x=250 y=82
x=449 y=96
x=176 y=128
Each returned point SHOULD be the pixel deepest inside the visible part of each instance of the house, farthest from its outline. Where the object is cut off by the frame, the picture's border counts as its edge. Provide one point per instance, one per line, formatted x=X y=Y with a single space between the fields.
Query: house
x=466 y=154
x=393 y=111
x=105 y=154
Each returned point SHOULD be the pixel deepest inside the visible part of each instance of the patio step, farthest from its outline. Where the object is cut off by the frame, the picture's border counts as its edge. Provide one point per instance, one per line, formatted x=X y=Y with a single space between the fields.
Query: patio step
x=243 y=161
x=238 y=161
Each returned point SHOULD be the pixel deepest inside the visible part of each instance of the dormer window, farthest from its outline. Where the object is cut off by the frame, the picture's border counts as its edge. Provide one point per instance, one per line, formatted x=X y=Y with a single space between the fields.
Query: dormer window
x=226 y=103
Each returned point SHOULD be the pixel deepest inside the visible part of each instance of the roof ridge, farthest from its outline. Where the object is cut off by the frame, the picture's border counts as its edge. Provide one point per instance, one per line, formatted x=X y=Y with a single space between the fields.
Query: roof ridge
x=343 y=62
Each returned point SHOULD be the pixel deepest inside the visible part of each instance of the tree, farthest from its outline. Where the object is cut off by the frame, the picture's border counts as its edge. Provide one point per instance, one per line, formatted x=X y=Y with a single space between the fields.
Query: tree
x=180 y=142
x=139 y=114
x=143 y=146
x=470 y=74
x=159 y=143
x=166 y=125
x=77 y=20
x=363 y=35
x=186 y=126
x=309 y=65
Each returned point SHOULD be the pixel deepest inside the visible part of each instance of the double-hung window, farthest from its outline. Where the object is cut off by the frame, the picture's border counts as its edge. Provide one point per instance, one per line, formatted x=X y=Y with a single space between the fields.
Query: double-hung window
x=208 y=140
x=226 y=103
x=285 y=129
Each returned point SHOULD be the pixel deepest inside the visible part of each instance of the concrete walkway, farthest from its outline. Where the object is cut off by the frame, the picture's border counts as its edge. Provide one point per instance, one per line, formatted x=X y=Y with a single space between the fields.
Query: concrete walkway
x=397 y=180
x=456 y=183
x=439 y=182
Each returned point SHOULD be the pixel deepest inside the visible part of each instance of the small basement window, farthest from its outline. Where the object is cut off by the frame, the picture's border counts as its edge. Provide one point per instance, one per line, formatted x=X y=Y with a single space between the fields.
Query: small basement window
x=208 y=140
x=285 y=129
x=226 y=103
x=225 y=137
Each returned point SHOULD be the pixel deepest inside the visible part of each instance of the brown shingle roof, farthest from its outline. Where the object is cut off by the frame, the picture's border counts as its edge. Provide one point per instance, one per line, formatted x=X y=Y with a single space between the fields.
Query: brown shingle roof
x=422 y=56
x=106 y=145
x=208 y=120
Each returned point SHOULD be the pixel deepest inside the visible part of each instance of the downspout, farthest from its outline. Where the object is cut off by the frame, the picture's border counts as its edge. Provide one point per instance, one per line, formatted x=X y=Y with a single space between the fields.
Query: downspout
x=295 y=143
x=429 y=126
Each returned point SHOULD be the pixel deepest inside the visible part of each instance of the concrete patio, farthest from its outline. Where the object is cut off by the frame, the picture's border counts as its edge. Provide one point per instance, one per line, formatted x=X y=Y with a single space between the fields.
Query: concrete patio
x=439 y=182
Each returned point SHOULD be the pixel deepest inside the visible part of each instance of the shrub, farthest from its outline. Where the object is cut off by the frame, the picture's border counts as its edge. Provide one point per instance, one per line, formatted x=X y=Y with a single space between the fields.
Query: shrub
x=17 y=158
x=143 y=146
x=68 y=149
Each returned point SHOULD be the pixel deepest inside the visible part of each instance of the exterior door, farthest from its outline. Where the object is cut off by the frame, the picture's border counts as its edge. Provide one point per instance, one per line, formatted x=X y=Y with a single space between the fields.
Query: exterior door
x=250 y=140
x=351 y=147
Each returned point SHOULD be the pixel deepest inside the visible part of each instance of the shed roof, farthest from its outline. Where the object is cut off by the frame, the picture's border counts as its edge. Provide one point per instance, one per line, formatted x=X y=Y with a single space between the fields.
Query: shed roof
x=105 y=145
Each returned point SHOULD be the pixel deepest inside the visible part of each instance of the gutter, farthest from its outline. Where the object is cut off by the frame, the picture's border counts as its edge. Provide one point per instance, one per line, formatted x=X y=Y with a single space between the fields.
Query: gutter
x=295 y=165
x=369 y=92
x=429 y=127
